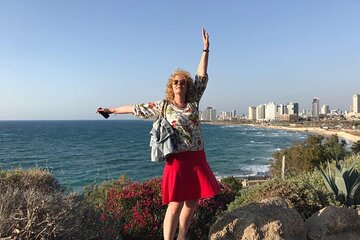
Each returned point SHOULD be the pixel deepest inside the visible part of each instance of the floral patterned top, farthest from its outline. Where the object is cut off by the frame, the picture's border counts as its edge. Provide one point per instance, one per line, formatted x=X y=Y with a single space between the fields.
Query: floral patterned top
x=185 y=120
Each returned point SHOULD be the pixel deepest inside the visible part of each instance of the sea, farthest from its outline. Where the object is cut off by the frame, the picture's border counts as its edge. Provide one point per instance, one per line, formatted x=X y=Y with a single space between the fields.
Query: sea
x=81 y=153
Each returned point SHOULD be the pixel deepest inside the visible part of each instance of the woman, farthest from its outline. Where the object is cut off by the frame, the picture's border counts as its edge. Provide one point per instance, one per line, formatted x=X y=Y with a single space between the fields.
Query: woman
x=187 y=176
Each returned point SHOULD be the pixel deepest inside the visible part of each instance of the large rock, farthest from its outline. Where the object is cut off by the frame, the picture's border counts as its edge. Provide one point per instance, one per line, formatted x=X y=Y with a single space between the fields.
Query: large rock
x=259 y=221
x=334 y=223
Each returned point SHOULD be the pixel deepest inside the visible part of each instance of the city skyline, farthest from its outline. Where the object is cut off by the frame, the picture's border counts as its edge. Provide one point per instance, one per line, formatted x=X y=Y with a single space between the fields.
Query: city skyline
x=320 y=106
x=290 y=112
x=61 y=60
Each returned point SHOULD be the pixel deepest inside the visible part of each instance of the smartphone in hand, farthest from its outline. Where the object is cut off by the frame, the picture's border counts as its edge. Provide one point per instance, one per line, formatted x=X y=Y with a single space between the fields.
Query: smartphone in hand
x=104 y=114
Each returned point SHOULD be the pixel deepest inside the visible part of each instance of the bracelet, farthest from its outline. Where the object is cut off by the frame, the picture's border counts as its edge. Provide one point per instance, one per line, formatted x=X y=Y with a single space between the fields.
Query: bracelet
x=206 y=50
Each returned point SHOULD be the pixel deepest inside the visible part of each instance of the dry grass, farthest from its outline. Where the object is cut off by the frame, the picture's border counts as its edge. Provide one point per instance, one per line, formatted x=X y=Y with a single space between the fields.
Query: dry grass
x=33 y=205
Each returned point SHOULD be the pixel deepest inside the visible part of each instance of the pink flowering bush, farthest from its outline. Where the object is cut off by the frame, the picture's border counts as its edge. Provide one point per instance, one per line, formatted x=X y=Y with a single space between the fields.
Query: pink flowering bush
x=135 y=211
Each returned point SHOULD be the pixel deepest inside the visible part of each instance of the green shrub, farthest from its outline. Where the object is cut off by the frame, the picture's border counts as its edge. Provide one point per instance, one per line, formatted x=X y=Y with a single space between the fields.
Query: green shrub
x=305 y=193
x=355 y=147
x=233 y=183
x=308 y=155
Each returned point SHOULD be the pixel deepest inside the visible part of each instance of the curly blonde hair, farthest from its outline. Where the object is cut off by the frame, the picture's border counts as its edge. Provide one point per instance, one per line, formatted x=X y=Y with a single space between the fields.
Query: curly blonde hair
x=190 y=92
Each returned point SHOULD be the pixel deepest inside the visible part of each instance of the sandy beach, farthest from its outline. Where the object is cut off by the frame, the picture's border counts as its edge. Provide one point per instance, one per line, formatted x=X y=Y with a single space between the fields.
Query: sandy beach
x=349 y=135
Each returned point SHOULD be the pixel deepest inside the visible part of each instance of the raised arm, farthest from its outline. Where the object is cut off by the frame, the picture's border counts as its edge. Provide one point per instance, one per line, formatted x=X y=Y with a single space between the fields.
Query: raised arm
x=202 y=69
x=143 y=110
x=117 y=110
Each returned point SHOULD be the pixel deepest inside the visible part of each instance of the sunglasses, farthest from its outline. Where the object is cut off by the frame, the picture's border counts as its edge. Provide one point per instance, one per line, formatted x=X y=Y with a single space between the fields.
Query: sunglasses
x=180 y=82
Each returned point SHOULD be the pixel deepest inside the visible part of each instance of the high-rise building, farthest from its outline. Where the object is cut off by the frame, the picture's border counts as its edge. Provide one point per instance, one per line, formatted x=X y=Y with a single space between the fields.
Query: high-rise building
x=209 y=114
x=233 y=113
x=271 y=111
x=356 y=103
x=213 y=114
x=315 y=110
x=293 y=108
x=252 y=113
x=325 y=109
x=282 y=109
x=260 y=112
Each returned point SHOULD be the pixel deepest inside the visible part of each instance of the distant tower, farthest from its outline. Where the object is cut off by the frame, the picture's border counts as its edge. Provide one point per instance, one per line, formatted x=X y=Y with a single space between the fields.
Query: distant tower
x=233 y=113
x=356 y=103
x=252 y=113
x=315 y=107
x=212 y=114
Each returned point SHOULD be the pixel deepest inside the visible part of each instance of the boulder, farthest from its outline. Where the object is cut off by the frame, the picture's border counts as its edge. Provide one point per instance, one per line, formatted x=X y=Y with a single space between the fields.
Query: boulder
x=259 y=221
x=333 y=223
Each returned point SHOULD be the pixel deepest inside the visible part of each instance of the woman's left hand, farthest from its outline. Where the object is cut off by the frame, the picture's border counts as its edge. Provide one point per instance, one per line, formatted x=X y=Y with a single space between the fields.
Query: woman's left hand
x=205 y=37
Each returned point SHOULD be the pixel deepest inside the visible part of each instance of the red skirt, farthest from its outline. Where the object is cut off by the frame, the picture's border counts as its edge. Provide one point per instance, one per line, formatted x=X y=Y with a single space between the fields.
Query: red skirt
x=187 y=176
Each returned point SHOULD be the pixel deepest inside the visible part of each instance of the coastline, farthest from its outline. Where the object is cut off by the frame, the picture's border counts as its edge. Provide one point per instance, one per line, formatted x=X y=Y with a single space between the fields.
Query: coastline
x=346 y=134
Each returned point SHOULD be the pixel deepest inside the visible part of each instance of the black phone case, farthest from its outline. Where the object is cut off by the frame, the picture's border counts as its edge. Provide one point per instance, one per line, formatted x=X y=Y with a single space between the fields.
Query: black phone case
x=105 y=115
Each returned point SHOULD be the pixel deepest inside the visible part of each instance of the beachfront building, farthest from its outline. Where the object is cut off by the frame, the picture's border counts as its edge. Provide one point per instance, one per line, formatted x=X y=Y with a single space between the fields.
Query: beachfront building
x=209 y=114
x=271 y=111
x=292 y=108
x=252 y=113
x=356 y=103
x=282 y=109
x=213 y=114
x=225 y=116
x=260 y=113
x=315 y=110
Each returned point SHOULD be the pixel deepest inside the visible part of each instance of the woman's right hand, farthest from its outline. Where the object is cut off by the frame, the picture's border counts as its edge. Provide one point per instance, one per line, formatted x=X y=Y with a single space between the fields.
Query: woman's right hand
x=104 y=112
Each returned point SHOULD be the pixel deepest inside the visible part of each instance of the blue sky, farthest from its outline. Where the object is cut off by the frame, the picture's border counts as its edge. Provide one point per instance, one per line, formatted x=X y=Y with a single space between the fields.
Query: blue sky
x=63 y=59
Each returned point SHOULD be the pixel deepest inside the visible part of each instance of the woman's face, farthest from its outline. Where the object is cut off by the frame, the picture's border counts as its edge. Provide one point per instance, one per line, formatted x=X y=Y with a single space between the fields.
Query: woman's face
x=179 y=85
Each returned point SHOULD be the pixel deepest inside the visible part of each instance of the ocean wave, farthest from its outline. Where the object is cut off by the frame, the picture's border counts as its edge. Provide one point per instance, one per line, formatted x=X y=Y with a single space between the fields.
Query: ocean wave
x=255 y=169
x=249 y=171
x=6 y=134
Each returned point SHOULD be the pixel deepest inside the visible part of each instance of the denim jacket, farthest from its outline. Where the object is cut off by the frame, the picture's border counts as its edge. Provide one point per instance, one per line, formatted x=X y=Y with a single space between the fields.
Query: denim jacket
x=162 y=140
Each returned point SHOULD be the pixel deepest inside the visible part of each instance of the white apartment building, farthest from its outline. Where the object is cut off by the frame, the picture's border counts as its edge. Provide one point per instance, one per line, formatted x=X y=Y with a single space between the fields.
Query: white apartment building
x=225 y=115
x=260 y=113
x=252 y=113
x=282 y=109
x=271 y=111
x=356 y=103
x=292 y=108
x=325 y=109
